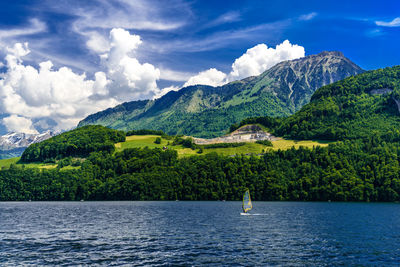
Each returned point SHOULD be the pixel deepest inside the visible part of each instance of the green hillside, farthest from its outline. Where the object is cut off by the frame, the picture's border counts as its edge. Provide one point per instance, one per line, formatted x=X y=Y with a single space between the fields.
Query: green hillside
x=357 y=107
x=79 y=142
x=205 y=111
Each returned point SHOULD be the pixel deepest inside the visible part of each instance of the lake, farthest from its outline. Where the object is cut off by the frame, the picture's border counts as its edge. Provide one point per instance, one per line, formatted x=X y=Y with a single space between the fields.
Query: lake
x=199 y=233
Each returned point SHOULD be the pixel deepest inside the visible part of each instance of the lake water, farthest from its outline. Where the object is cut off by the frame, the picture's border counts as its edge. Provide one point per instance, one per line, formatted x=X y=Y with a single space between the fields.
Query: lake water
x=198 y=233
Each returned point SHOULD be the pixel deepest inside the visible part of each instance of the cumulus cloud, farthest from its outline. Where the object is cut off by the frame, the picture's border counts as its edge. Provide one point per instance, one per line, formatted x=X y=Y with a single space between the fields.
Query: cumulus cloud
x=255 y=61
x=129 y=79
x=394 y=23
x=35 y=93
x=211 y=77
x=96 y=42
x=19 y=124
x=260 y=58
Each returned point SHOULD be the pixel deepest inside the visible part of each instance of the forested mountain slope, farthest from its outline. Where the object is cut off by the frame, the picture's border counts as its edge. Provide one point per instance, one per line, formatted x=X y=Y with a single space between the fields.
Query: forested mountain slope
x=359 y=107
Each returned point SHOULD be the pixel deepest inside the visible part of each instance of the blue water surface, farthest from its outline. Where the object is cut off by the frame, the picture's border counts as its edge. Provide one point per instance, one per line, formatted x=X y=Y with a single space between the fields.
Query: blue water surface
x=199 y=233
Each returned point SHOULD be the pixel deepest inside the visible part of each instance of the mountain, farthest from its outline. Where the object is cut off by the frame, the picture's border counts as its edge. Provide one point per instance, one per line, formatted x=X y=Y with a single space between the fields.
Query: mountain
x=13 y=144
x=206 y=111
x=364 y=106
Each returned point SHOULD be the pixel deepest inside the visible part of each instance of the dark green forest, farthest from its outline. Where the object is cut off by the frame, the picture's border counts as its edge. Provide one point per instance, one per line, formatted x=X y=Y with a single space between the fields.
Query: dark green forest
x=346 y=171
x=76 y=143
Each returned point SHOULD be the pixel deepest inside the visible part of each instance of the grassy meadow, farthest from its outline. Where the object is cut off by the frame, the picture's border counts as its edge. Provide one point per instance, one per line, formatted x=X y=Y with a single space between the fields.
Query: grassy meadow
x=248 y=148
x=148 y=141
x=5 y=163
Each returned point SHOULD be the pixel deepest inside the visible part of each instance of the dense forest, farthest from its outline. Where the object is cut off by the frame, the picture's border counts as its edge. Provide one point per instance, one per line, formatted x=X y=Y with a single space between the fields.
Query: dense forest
x=76 y=143
x=346 y=171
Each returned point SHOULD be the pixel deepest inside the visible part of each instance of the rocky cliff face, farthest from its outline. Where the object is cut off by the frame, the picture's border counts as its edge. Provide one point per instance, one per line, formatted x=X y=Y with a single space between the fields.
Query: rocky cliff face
x=296 y=80
x=206 y=111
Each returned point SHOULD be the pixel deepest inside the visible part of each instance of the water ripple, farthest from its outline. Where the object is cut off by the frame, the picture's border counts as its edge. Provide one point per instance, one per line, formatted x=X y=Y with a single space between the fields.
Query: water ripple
x=198 y=233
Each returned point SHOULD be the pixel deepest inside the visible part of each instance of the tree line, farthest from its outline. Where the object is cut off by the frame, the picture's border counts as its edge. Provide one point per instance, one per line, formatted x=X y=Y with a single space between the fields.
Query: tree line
x=346 y=171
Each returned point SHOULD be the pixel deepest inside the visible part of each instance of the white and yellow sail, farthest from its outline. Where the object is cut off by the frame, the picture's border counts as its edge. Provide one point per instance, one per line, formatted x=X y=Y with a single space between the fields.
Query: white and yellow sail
x=247 y=206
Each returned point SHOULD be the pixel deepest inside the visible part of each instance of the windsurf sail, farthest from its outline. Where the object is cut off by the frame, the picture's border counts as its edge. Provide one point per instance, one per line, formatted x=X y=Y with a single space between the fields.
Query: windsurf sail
x=247 y=206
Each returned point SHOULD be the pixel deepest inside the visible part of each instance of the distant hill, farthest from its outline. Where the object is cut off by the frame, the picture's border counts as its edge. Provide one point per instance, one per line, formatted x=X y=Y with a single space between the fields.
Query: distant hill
x=206 y=111
x=366 y=106
x=79 y=142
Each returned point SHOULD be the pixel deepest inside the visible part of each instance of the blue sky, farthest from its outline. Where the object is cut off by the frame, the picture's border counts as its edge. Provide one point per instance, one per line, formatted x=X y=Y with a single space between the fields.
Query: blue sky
x=178 y=40
x=347 y=26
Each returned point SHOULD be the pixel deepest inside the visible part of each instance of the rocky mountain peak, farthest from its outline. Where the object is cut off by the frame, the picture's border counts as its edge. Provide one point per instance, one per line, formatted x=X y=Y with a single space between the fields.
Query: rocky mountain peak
x=330 y=53
x=298 y=79
x=14 y=140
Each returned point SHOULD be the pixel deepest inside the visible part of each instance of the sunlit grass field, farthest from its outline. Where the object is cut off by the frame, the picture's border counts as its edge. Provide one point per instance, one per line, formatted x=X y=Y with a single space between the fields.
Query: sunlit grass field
x=148 y=141
x=141 y=141
x=248 y=148
x=287 y=144
x=5 y=163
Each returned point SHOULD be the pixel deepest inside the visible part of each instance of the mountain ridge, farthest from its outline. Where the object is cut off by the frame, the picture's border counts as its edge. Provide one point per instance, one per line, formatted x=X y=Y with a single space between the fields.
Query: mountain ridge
x=206 y=111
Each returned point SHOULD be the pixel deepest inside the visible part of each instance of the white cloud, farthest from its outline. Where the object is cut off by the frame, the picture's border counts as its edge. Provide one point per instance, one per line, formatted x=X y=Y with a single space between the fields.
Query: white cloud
x=129 y=79
x=394 y=23
x=255 y=61
x=97 y=42
x=36 y=26
x=166 y=90
x=19 y=124
x=308 y=16
x=61 y=95
x=173 y=75
x=211 y=77
x=260 y=58
x=228 y=17
x=28 y=93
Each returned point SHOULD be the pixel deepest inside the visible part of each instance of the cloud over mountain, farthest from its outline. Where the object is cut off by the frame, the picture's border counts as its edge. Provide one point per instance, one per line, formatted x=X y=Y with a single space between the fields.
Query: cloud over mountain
x=31 y=94
x=15 y=123
x=255 y=61
x=211 y=77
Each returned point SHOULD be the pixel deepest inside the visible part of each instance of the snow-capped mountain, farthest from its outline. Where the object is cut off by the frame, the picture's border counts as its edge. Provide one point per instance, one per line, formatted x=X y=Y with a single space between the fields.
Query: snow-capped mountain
x=18 y=140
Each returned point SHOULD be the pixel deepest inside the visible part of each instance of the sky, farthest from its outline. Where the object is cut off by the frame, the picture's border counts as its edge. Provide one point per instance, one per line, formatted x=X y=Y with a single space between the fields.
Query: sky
x=63 y=60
